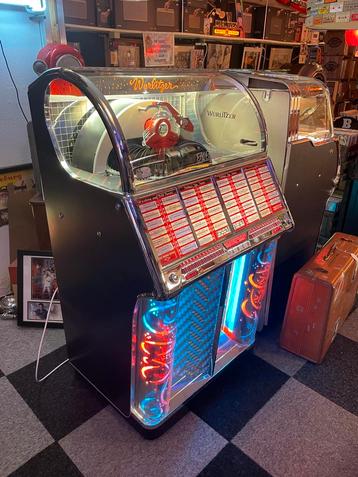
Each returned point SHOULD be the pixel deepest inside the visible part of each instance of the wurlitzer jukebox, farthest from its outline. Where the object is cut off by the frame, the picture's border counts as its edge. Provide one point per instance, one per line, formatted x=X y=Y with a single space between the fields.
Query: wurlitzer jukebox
x=302 y=149
x=304 y=154
x=164 y=213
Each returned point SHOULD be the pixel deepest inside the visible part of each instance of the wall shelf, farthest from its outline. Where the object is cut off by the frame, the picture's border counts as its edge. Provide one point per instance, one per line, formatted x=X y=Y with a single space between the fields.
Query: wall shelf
x=179 y=35
x=336 y=26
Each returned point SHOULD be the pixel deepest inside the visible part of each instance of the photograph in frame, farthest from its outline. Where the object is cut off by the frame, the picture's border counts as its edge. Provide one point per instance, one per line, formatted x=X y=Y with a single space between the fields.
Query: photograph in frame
x=43 y=278
x=182 y=56
x=251 y=58
x=280 y=57
x=37 y=283
x=218 y=56
x=158 y=49
x=37 y=311
x=128 y=56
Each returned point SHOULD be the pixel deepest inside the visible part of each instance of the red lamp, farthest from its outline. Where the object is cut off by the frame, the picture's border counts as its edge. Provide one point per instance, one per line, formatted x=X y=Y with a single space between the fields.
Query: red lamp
x=61 y=56
x=351 y=37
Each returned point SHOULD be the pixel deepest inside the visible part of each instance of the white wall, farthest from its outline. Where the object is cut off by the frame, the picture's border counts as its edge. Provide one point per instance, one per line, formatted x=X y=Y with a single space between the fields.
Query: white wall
x=21 y=39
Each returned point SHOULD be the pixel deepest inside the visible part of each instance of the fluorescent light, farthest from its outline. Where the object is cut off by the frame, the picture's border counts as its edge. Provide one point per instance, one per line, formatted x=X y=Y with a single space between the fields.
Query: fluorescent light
x=32 y=5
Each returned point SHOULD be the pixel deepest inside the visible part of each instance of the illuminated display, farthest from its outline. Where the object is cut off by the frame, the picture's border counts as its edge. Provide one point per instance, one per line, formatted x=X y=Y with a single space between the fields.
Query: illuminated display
x=246 y=295
x=235 y=290
x=176 y=339
x=168 y=226
x=265 y=192
x=185 y=220
x=255 y=294
x=238 y=199
x=156 y=358
x=205 y=212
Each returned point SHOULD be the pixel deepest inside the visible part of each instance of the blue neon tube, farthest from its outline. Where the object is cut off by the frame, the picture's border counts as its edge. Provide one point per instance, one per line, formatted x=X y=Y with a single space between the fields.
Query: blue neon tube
x=235 y=288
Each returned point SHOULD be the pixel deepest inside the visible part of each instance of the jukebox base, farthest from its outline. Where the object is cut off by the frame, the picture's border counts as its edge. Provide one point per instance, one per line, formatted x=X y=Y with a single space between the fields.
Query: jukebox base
x=181 y=343
x=150 y=433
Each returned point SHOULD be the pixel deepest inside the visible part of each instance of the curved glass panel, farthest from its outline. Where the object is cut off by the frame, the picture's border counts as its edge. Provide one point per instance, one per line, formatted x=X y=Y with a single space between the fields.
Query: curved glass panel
x=315 y=119
x=313 y=102
x=170 y=125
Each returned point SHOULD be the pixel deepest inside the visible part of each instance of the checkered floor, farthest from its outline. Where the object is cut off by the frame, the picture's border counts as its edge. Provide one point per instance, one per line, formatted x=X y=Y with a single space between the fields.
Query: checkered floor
x=269 y=413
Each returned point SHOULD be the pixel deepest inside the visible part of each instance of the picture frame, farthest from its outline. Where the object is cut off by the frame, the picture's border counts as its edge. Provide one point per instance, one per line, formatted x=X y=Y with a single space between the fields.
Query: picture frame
x=182 y=56
x=158 y=48
x=279 y=57
x=21 y=177
x=37 y=282
x=251 y=58
x=218 y=56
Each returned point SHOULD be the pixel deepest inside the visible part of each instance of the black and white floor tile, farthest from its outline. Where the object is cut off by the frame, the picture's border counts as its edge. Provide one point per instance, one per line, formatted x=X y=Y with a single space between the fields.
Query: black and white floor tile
x=269 y=413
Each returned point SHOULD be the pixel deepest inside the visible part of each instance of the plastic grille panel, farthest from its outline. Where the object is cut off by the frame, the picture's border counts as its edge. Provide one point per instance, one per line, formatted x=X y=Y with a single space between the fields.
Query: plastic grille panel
x=197 y=328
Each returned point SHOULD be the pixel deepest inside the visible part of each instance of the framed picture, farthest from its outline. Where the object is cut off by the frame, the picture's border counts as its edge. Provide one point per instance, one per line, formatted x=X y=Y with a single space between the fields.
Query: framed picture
x=22 y=179
x=218 y=56
x=36 y=285
x=128 y=56
x=182 y=56
x=251 y=58
x=197 y=57
x=279 y=57
x=158 y=48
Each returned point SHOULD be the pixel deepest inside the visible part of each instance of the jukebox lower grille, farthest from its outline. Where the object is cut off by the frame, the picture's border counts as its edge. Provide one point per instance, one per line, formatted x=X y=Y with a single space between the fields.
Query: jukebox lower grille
x=197 y=329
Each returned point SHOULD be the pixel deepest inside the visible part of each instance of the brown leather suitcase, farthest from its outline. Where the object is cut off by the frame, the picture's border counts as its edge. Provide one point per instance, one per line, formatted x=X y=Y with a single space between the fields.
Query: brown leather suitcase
x=322 y=295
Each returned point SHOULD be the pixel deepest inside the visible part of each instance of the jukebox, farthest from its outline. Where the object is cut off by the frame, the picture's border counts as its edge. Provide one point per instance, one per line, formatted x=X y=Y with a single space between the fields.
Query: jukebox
x=164 y=212
x=304 y=153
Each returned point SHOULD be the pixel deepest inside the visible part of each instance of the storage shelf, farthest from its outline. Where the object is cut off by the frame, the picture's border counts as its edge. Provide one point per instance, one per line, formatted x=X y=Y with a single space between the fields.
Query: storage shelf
x=179 y=35
x=336 y=26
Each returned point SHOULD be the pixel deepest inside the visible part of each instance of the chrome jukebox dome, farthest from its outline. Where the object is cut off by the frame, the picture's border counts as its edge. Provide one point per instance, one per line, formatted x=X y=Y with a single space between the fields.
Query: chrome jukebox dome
x=166 y=125
x=304 y=101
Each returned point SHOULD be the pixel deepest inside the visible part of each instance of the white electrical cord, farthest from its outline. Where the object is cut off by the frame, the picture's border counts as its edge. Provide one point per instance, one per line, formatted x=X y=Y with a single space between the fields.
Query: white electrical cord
x=37 y=379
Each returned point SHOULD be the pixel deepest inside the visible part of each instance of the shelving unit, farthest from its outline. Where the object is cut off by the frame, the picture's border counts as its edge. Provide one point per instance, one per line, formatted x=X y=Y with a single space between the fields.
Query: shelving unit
x=336 y=26
x=179 y=35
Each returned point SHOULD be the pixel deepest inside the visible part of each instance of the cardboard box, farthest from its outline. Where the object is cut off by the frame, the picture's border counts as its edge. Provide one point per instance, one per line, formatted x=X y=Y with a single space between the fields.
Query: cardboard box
x=335 y=43
x=335 y=67
x=148 y=15
x=194 y=15
x=80 y=12
x=104 y=13
x=280 y=24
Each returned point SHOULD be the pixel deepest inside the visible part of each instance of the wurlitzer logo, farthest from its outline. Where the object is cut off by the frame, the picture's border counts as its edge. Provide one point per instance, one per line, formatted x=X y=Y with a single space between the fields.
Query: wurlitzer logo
x=139 y=84
x=220 y=114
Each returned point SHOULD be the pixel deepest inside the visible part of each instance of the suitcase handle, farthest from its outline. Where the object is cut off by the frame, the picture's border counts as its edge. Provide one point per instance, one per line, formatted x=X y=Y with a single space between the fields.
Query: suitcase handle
x=334 y=247
x=330 y=252
x=353 y=255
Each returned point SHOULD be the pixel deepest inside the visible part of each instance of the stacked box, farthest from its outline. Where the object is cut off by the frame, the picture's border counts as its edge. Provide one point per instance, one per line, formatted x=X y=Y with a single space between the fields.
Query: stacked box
x=335 y=44
x=80 y=12
x=341 y=69
x=335 y=67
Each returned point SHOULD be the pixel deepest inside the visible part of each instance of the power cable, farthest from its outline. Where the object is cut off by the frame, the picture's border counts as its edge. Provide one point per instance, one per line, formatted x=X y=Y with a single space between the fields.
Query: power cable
x=39 y=380
x=13 y=82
